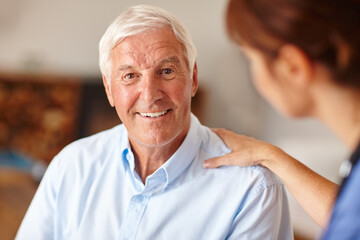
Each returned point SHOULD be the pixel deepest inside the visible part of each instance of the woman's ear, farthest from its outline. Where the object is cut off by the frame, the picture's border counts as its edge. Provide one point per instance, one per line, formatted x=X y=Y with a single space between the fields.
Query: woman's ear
x=108 y=90
x=294 y=67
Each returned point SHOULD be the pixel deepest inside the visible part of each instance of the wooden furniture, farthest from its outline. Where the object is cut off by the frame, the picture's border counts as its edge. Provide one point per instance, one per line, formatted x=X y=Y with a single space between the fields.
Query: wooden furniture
x=38 y=113
x=17 y=188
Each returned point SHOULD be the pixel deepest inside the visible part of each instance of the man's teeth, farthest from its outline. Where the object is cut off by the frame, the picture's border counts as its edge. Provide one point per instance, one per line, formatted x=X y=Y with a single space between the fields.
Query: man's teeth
x=153 y=115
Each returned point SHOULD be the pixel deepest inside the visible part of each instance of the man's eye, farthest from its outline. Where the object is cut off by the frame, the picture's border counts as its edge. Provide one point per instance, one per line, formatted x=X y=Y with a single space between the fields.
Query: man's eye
x=167 y=73
x=130 y=76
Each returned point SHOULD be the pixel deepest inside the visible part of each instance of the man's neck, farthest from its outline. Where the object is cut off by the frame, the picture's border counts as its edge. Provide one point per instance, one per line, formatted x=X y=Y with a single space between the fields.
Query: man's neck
x=149 y=158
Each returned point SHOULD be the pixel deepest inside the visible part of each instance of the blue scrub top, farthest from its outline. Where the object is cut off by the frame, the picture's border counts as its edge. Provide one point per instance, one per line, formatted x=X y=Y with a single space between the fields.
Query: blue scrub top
x=345 y=220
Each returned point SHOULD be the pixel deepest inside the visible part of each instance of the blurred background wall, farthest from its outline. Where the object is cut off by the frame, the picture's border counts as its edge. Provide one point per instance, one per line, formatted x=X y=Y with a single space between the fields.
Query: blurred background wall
x=60 y=38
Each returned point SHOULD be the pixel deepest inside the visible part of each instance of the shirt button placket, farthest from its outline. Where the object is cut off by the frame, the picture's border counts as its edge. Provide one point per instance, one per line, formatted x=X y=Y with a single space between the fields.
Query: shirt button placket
x=133 y=217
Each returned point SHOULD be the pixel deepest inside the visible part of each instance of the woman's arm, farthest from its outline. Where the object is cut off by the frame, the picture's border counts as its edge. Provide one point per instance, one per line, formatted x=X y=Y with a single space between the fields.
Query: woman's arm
x=314 y=193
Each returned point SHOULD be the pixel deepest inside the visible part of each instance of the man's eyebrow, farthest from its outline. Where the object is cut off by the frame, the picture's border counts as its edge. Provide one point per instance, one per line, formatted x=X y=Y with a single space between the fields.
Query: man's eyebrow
x=124 y=67
x=170 y=60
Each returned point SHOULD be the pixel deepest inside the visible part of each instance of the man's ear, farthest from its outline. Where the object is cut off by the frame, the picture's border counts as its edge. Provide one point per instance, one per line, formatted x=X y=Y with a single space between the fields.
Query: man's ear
x=194 y=80
x=294 y=67
x=108 y=90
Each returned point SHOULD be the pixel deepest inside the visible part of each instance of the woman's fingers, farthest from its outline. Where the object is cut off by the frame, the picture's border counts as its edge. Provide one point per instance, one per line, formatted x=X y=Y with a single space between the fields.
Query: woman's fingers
x=234 y=158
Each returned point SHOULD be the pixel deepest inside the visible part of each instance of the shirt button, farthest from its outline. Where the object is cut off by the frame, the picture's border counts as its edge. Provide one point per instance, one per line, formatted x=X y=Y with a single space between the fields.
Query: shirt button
x=139 y=199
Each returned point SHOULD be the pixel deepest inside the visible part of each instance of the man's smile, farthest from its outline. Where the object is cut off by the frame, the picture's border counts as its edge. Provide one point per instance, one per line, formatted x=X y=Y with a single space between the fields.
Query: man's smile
x=154 y=114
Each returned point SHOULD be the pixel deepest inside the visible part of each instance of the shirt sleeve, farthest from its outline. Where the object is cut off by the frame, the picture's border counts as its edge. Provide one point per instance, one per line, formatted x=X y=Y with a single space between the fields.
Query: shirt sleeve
x=38 y=222
x=345 y=220
x=264 y=214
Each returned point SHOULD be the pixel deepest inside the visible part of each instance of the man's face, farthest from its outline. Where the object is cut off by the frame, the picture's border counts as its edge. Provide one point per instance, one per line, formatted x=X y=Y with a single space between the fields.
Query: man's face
x=151 y=87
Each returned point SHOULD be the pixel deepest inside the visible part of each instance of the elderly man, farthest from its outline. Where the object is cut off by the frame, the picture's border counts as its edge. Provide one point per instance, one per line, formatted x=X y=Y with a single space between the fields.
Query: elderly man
x=144 y=178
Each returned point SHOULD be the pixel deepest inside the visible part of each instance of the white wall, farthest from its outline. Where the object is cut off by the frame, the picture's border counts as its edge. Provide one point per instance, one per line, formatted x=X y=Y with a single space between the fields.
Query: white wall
x=62 y=37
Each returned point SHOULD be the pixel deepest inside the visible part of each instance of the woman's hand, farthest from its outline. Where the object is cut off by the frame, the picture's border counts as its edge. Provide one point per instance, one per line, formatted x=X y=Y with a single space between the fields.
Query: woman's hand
x=246 y=151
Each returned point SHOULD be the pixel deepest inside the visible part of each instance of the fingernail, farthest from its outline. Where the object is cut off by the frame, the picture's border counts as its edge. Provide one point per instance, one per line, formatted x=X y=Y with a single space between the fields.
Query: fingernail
x=205 y=164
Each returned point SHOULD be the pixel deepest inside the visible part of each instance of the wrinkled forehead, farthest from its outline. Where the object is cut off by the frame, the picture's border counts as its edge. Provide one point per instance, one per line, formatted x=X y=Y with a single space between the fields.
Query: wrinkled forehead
x=148 y=48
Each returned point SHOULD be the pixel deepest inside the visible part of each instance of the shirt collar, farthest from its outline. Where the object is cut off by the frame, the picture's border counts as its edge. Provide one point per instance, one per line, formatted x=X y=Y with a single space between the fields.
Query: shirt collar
x=186 y=153
x=178 y=162
x=127 y=155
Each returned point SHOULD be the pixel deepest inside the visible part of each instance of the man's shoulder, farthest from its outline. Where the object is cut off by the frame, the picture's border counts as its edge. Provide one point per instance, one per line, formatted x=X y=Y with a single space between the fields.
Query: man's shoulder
x=212 y=144
x=91 y=147
x=263 y=177
x=256 y=176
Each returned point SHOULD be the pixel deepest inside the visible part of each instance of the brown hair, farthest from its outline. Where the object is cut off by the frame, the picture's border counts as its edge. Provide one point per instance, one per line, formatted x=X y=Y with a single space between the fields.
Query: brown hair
x=328 y=31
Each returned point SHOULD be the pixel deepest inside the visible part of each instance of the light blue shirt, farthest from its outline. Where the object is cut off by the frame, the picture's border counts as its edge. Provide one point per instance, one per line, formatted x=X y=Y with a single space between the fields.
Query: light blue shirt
x=92 y=191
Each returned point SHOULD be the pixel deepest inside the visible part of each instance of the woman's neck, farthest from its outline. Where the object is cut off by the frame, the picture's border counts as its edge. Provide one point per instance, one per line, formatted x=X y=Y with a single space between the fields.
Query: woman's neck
x=339 y=108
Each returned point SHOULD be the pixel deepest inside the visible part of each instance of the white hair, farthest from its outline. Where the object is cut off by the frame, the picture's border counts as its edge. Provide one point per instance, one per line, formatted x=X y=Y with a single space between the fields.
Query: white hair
x=139 y=19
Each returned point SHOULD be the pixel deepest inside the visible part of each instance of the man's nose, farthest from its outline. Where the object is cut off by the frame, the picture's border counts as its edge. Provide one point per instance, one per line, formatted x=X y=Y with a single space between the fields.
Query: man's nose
x=151 y=89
